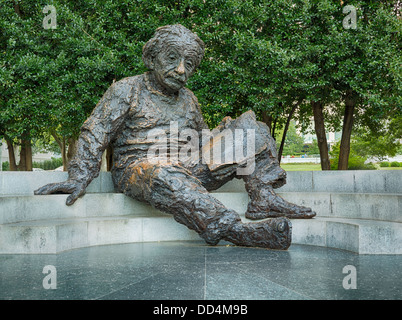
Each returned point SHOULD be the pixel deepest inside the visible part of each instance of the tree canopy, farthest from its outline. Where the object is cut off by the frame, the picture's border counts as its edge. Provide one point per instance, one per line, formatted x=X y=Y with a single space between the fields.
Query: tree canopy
x=274 y=57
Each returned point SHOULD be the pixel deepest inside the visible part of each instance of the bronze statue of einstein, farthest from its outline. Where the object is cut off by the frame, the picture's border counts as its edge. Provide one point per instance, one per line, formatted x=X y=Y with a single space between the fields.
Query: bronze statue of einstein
x=135 y=108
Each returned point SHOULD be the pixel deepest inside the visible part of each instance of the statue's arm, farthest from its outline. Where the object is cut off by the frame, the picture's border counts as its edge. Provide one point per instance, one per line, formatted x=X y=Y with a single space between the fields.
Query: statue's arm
x=96 y=133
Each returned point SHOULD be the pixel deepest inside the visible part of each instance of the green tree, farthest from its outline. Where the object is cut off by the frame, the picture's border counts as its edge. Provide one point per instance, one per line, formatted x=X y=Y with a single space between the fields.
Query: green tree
x=356 y=161
x=283 y=59
x=311 y=148
x=294 y=143
x=381 y=143
x=354 y=74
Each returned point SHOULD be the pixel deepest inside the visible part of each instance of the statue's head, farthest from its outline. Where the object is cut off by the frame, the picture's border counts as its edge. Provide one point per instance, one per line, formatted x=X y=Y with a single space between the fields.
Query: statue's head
x=173 y=54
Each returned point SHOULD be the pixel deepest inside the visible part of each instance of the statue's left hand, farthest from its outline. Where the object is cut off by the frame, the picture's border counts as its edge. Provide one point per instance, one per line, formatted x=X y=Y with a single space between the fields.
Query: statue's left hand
x=75 y=188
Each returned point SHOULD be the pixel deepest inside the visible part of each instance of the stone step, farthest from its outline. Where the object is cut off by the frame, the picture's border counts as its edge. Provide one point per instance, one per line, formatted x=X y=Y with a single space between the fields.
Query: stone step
x=357 y=235
x=384 y=207
x=54 y=236
x=372 y=206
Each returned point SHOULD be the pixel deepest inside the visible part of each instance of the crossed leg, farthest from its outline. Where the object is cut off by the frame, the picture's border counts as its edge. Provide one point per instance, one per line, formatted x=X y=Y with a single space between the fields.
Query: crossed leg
x=264 y=201
x=266 y=176
x=173 y=189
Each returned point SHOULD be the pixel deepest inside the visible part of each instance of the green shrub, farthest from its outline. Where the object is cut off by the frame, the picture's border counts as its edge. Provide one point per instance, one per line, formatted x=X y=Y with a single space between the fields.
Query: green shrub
x=49 y=164
x=384 y=164
x=367 y=166
x=45 y=165
x=5 y=166
x=395 y=164
x=356 y=162
x=370 y=166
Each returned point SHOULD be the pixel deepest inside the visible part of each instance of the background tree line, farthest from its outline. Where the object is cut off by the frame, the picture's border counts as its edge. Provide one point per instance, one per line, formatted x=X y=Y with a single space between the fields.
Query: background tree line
x=285 y=59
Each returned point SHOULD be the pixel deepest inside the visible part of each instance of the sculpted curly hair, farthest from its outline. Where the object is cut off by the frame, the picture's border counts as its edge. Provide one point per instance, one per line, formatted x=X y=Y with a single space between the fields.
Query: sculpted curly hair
x=157 y=42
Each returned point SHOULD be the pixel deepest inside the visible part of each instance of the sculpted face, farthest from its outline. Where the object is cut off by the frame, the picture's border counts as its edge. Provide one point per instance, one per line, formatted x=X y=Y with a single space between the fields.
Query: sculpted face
x=172 y=55
x=175 y=64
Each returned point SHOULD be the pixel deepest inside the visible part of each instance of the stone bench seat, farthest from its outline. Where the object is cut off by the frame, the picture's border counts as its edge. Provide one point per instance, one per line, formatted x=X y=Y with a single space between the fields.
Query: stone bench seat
x=362 y=216
x=371 y=206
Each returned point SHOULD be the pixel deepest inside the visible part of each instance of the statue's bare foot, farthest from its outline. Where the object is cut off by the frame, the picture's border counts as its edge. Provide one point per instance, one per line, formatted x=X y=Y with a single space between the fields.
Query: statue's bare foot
x=270 y=234
x=270 y=205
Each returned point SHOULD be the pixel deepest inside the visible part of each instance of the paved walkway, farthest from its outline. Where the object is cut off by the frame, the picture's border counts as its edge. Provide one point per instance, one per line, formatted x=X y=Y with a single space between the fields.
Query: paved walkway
x=192 y=270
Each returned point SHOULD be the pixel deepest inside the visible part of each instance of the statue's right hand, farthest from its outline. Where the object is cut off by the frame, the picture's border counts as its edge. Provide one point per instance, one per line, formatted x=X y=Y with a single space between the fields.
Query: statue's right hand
x=74 y=188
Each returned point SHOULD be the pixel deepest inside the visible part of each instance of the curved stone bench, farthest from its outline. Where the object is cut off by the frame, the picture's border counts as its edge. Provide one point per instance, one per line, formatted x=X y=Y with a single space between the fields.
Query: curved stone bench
x=357 y=211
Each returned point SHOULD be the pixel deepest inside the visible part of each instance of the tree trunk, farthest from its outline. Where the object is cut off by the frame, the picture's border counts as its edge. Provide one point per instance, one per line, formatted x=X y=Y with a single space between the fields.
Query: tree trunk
x=285 y=130
x=25 y=156
x=28 y=155
x=64 y=154
x=67 y=154
x=22 y=165
x=11 y=155
x=17 y=9
x=274 y=128
x=62 y=145
x=267 y=119
x=72 y=149
x=344 y=150
x=321 y=135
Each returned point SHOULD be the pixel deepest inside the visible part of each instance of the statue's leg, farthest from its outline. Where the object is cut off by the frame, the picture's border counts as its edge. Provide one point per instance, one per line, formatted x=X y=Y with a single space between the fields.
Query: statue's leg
x=175 y=190
x=264 y=202
x=265 y=175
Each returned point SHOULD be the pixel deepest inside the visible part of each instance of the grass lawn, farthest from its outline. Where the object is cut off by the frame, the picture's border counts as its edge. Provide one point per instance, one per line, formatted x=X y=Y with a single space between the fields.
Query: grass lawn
x=301 y=166
x=317 y=167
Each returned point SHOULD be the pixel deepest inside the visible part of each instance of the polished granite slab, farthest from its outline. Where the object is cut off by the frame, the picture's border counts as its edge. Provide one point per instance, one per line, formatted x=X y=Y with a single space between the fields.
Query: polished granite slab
x=191 y=270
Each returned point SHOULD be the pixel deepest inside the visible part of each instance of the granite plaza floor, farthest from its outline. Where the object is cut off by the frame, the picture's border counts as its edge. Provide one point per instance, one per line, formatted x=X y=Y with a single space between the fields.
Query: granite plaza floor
x=195 y=271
